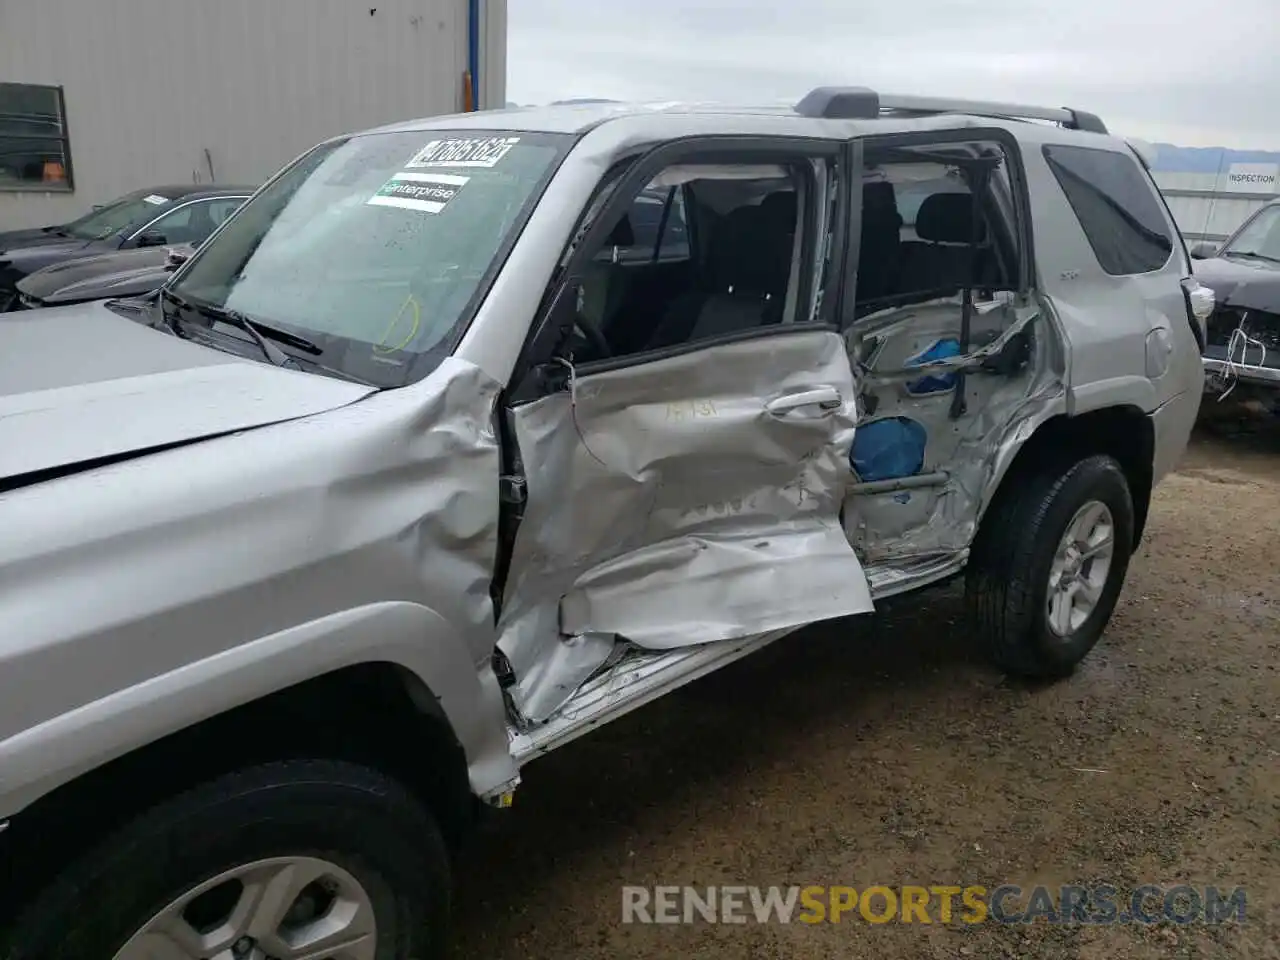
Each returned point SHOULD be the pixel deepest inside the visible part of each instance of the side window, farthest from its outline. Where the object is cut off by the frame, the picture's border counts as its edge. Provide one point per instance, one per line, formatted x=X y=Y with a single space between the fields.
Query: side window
x=736 y=270
x=175 y=226
x=192 y=222
x=219 y=210
x=658 y=230
x=924 y=233
x=1114 y=203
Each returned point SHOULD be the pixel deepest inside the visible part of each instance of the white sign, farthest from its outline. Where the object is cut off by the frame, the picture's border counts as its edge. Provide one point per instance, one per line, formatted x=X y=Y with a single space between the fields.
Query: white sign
x=484 y=152
x=427 y=192
x=1250 y=178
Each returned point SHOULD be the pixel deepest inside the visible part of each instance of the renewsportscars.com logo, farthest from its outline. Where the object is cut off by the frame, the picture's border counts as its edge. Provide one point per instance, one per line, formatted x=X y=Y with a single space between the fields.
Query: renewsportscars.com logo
x=1101 y=904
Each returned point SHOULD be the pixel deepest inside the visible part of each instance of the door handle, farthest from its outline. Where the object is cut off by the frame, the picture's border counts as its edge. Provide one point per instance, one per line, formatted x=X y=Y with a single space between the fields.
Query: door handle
x=825 y=398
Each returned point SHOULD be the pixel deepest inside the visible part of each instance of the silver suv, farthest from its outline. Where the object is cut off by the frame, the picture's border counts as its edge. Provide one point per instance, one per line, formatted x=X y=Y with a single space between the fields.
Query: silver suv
x=427 y=463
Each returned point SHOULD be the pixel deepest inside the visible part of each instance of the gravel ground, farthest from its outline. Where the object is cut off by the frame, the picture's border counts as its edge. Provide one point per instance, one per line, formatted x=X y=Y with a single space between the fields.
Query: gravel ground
x=887 y=752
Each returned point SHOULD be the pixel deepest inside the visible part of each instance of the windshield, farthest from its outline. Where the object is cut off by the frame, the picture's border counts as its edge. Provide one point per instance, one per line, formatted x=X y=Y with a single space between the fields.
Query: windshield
x=114 y=217
x=373 y=248
x=1259 y=238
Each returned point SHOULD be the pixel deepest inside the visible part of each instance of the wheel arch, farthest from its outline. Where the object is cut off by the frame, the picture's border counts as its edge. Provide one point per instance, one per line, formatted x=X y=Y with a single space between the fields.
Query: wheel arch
x=377 y=714
x=1124 y=432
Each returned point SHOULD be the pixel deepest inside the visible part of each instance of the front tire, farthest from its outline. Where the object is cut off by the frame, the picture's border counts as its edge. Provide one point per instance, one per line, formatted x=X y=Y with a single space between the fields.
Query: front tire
x=1048 y=565
x=285 y=859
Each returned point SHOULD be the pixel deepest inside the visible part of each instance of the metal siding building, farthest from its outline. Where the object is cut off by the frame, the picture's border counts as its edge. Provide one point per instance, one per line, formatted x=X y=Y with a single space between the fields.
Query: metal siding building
x=1211 y=190
x=176 y=91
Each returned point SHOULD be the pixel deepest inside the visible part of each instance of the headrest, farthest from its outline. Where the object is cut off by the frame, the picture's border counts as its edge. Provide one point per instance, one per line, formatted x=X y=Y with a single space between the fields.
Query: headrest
x=880 y=205
x=946 y=218
x=732 y=244
x=622 y=234
x=779 y=210
x=750 y=253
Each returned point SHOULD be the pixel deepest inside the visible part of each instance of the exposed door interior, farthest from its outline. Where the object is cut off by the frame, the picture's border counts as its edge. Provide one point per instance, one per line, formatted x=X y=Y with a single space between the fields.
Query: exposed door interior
x=685 y=451
x=943 y=345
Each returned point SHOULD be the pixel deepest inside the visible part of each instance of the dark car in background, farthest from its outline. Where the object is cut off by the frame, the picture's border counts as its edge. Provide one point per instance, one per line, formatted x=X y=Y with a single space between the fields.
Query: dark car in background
x=1243 y=336
x=125 y=273
x=157 y=217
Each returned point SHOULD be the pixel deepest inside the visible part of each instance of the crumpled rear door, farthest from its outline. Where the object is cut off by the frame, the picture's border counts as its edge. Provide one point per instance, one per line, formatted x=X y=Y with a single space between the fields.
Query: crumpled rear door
x=682 y=500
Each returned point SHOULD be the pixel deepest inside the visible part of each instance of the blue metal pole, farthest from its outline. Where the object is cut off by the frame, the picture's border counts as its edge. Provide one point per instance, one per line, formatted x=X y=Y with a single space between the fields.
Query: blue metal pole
x=473 y=53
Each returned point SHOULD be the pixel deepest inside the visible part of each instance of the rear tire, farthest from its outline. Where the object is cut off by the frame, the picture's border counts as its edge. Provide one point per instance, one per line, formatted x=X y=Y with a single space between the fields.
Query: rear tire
x=376 y=856
x=1021 y=561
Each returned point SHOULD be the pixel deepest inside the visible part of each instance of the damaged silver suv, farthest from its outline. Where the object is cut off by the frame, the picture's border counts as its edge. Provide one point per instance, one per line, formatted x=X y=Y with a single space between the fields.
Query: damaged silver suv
x=466 y=436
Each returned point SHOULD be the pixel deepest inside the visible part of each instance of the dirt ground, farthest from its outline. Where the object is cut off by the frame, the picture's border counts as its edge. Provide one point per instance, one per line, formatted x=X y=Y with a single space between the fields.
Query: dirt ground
x=887 y=752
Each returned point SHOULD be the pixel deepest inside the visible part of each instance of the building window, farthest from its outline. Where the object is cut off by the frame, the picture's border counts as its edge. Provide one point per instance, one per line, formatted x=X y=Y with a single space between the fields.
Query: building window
x=34 y=154
x=1116 y=205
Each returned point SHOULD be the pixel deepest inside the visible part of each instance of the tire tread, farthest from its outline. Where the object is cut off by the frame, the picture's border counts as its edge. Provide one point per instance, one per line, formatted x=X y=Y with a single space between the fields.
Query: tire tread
x=1002 y=585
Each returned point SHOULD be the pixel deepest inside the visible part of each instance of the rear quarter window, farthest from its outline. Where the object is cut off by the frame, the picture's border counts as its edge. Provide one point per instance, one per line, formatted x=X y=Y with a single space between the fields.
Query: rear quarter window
x=1116 y=206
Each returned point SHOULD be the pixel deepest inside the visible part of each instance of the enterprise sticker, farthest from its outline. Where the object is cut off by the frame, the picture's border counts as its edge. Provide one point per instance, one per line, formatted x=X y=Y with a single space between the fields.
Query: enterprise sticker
x=483 y=152
x=428 y=192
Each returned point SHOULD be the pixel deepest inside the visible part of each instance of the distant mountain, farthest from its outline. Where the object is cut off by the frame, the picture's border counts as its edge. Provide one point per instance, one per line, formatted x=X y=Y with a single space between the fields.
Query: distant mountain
x=1174 y=159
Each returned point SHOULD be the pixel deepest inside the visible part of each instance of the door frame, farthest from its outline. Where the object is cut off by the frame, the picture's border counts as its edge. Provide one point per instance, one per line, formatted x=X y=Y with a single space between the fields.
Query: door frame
x=1024 y=234
x=554 y=318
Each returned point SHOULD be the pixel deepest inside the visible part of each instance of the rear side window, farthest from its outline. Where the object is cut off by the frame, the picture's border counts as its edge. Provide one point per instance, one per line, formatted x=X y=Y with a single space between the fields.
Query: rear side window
x=1116 y=206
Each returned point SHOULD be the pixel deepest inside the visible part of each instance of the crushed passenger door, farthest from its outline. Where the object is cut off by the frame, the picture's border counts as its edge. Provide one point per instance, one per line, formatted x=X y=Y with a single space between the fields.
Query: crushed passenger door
x=681 y=500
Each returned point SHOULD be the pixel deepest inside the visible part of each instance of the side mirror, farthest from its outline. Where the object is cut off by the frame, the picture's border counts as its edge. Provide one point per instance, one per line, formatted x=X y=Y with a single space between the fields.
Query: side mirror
x=554 y=327
x=1204 y=251
x=151 y=238
x=176 y=257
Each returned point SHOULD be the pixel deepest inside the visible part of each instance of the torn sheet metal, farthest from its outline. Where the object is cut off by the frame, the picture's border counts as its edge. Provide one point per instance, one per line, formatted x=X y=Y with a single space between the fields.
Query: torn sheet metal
x=913 y=521
x=548 y=682
x=667 y=505
x=874 y=374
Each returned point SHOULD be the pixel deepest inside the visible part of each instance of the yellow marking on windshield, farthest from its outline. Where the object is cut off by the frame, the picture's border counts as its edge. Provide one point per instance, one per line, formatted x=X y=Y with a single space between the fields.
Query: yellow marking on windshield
x=381 y=345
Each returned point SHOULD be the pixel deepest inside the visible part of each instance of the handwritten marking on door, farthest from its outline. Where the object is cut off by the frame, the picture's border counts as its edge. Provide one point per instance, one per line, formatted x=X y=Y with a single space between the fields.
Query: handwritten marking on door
x=691 y=410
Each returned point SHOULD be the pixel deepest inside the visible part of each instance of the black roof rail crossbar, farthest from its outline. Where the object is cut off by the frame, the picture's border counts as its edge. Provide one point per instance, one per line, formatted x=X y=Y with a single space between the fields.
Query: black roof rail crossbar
x=861 y=103
x=840 y=103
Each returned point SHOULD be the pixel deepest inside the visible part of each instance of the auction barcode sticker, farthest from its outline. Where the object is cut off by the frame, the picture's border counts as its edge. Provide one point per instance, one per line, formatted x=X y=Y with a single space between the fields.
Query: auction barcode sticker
x=479 y=152
x=428 y=192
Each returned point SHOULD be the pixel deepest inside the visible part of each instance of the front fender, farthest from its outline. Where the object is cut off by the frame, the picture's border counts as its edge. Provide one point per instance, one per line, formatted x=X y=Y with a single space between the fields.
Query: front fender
x=417 y=638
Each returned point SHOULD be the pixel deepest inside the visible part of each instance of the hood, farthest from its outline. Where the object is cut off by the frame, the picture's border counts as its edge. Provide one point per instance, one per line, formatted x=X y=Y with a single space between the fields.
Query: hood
x=17 y=262
x=1246 y=284
x=124 y=273
x=82 y=384
x=33 y=237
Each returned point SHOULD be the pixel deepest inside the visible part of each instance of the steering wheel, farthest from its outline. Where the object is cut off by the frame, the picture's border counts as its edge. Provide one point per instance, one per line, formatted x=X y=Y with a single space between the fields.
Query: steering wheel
x=591 y=333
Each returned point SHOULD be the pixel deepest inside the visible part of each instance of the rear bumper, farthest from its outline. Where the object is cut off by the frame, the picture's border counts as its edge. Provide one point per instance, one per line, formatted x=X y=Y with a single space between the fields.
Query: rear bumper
x=1221 y=370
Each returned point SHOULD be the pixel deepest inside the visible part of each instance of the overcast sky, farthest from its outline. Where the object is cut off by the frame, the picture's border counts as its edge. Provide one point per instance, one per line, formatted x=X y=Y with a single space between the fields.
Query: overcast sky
x=1191 y=72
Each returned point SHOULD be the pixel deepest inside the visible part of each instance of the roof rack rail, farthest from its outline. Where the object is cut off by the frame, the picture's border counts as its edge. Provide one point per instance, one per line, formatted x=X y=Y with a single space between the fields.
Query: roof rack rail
x=862 y=103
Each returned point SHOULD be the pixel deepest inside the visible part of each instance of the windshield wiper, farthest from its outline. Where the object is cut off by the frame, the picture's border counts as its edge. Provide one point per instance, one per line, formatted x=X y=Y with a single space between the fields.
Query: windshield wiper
x=1251 y=255
x=258 y=331
x=273 y=353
